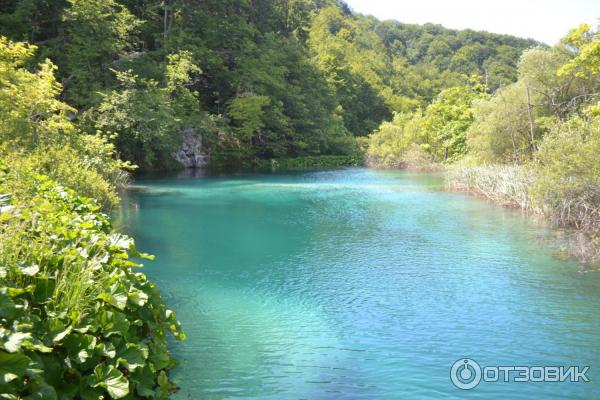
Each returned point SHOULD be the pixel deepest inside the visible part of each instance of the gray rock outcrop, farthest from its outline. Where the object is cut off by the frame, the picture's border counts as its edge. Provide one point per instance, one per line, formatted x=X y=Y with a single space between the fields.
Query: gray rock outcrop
x=190 y=153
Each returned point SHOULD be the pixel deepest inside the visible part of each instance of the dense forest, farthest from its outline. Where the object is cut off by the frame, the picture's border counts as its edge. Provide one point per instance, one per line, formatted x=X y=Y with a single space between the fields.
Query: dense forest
x=254 y=79
x=90 y=91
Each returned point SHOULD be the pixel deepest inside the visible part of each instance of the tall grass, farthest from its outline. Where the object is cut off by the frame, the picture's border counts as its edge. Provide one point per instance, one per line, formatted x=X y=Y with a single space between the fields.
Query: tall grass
x=508 y=185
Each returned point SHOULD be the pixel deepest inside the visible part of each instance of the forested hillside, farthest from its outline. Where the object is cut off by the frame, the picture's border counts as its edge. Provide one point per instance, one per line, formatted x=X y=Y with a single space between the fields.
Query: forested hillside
x=254 y=79
x=533 y=144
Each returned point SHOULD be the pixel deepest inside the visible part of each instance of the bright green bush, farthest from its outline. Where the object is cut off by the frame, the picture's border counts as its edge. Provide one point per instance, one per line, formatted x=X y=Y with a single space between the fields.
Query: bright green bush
x=500 y=131
x=567 y=171
x=388 y=144
x=436 y=135
x=73 y=170
x=76 y=320
x=36 y=129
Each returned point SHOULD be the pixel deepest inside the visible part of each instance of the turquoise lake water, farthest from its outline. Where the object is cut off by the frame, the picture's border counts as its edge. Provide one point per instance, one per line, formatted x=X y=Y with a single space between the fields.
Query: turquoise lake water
x=358 y=284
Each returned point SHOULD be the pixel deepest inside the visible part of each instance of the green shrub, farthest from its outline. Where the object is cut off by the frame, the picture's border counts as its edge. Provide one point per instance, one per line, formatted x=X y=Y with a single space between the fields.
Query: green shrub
x=73 y=170
x=567 y=172
x=420 y=140
x=388 y=144
x=399 y=144
x=36 y=129
x=76 y=320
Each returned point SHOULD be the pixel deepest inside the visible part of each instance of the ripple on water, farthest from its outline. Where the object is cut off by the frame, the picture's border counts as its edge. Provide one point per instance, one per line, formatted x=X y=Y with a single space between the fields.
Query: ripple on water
x=358 y=284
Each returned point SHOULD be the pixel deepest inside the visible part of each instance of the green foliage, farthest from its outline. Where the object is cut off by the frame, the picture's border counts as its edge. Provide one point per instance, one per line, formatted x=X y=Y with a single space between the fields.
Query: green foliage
x=76 y=320
x=567 y=171
x=147 y=117
x=319 y=73
x=281 y=107
x=587 y=62
x=78 y=170
x=500 y=132
x=351 y=58
x=549 y=91
x=246 y=111
x=310 y=162
x=388 y=145
x=31 y=112
x=554 y=85
x=438 y=134
x=35 y=127
x=96 y=33
x=445 y=121
x=141 y=115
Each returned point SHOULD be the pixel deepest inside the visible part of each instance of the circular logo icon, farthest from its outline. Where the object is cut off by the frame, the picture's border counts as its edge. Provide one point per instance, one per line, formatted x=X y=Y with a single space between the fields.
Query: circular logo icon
x=465 y=373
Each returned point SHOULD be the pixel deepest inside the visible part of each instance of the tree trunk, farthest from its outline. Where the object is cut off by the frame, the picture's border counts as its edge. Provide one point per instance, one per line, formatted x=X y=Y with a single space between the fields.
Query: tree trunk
x=165 y=22
x=531 y=123
x=516 y=160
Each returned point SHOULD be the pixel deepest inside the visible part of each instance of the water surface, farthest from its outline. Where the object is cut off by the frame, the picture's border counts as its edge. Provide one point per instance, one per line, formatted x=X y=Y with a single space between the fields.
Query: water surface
x=358 y=284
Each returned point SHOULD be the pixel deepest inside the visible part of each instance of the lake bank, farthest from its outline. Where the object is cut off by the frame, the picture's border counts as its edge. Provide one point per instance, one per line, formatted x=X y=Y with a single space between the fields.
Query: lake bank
x=577 y=216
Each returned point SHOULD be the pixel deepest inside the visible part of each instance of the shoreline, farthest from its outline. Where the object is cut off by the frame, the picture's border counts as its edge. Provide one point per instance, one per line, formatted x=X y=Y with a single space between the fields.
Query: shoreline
x=582 y=244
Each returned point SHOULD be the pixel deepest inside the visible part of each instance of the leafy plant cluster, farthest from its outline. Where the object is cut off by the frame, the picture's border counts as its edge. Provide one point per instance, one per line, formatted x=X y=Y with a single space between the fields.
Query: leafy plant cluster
x=36 y=127
x=76 y=319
